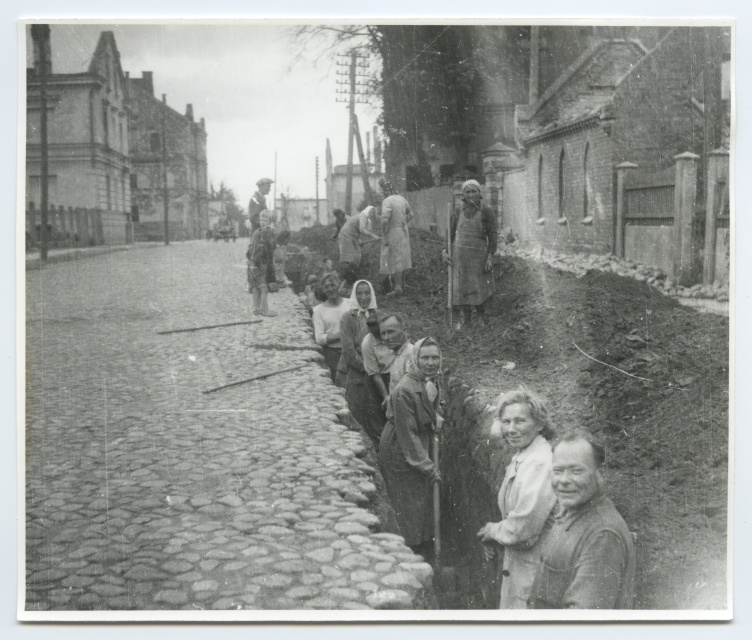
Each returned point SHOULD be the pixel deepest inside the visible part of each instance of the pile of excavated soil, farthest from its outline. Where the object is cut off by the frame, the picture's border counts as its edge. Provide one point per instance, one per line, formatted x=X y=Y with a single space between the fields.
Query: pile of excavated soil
x=612 y=354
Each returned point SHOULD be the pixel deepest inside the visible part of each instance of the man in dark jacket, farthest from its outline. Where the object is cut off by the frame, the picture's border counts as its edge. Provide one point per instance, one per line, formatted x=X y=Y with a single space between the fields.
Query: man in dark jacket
x=257 y=203
x=589 y=561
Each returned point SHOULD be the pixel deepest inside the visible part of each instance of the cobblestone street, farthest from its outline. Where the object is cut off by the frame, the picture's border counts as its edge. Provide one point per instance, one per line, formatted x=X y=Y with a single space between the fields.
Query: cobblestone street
x=144 y=493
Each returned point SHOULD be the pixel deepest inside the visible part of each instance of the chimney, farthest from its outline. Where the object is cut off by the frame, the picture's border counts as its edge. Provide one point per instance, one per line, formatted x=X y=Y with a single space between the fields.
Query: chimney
x=203 y=123
x=189 y=112
x=147 y=78
x=164 y=98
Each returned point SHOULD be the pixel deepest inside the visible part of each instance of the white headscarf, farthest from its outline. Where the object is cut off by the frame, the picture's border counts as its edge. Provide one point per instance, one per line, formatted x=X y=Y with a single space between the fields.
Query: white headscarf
x=469 y=183
x=354 y=299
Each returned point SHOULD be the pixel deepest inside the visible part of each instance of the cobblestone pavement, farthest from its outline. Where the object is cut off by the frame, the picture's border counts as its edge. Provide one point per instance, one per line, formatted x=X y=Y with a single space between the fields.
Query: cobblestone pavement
x=143 y=493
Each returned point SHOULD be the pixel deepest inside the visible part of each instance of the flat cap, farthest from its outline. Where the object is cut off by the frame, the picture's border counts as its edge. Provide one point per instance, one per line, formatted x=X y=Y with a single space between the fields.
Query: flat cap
x=264 y=181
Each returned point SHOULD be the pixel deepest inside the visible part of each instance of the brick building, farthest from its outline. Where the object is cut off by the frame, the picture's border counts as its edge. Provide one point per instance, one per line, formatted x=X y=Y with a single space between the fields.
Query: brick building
x=617 y=102
x=153 y=123
x=88 y=130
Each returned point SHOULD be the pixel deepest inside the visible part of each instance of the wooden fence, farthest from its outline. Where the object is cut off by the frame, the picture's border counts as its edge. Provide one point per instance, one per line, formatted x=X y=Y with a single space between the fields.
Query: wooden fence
x=660 y=223
x=77 y=227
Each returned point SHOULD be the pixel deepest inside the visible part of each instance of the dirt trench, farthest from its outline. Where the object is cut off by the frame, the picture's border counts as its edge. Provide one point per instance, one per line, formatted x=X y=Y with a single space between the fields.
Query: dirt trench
x=609 y=353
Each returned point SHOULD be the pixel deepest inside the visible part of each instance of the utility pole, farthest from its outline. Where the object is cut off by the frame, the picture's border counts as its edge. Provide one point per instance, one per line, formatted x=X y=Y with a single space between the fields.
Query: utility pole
x=363 y=165
x=165 y=190
x=318 y=219
x=357 y=61
x=40 y=34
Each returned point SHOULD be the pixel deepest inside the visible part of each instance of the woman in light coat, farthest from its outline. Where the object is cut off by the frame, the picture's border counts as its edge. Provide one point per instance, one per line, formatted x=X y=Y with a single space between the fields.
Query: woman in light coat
x=526 y=498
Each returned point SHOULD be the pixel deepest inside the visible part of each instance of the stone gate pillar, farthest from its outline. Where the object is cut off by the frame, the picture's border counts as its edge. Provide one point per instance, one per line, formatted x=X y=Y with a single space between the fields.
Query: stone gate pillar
x=685 y=193
x=718 y=163
x=621 y=209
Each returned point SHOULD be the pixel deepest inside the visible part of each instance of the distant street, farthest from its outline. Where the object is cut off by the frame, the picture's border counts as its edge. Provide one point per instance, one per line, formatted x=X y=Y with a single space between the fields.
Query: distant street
x=144 y=493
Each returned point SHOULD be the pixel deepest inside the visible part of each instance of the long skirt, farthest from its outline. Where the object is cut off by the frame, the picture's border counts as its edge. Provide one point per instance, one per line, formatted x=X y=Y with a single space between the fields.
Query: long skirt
x=409 y=490
x=364 y=401
x=331 y=357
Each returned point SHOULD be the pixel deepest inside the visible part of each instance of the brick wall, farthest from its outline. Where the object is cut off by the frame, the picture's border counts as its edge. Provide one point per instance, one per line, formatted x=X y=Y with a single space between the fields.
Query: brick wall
x=576 y=236
x=592 y=86
x=655 y=119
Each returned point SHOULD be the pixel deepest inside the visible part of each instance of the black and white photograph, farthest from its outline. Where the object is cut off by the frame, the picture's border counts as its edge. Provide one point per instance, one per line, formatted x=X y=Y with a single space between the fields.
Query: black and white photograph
x=376 y=320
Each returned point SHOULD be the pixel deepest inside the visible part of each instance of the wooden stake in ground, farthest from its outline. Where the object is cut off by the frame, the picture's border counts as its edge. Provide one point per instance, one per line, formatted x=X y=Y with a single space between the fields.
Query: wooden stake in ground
x=449 y=270
x=261 y=376
x=208 y=326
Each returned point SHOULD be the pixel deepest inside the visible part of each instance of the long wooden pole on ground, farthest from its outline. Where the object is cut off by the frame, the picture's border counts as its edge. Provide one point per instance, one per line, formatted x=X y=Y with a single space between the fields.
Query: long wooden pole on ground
x=261 y=376
x=208 y=326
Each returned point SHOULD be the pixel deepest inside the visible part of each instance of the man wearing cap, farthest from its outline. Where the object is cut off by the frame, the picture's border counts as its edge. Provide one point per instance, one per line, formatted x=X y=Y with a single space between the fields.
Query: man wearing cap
x=257 y=203
x=473 y=236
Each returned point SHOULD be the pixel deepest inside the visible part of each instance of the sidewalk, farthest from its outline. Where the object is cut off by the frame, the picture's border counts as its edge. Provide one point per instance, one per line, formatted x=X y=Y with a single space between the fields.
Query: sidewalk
x=34 y=261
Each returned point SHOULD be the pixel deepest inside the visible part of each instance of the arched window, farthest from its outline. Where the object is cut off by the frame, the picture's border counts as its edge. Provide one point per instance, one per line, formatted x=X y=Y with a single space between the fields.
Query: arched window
x=585 y=183
x=561 y=184
x=540 y=187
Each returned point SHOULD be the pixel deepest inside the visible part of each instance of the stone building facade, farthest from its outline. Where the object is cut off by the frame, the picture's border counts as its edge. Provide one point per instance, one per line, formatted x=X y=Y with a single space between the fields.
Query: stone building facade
x=183 y=158
x=88 y=143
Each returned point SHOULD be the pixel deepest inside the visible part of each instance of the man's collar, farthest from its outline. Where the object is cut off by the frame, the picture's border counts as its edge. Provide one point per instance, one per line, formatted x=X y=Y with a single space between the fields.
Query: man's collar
x=568 y=517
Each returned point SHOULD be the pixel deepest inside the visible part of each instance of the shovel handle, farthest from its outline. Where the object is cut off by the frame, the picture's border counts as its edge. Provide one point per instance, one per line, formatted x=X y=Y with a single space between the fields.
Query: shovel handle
x=436 y=502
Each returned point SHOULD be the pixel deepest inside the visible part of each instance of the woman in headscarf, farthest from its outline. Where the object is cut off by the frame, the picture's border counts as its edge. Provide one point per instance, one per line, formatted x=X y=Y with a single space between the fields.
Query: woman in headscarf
x=473 y=235
x=361 y=393
x=327 y=318
x=526 y=498
x=260 y=256
x=351 y=236
x=395 y=243
x=404 y=459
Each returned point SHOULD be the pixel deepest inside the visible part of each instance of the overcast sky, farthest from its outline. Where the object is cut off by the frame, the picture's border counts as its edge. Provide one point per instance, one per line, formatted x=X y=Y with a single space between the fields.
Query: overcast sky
x=241 y=78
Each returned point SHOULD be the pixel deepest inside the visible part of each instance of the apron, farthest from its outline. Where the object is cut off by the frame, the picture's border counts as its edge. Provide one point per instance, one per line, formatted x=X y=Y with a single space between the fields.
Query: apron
x=470 y=284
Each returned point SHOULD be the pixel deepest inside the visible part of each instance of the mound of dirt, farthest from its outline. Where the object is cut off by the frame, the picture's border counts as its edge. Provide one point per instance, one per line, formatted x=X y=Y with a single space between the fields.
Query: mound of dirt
x=614 y=355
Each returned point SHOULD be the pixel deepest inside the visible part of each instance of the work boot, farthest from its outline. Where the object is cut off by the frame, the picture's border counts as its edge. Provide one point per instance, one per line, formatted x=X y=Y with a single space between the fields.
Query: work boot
x=265 y=311
x=481 y=316
x=257 y=301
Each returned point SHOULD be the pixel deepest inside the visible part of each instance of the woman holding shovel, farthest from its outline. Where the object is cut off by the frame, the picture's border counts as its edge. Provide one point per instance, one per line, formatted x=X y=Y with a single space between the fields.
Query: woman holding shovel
x=526 y=497
x=409 y=473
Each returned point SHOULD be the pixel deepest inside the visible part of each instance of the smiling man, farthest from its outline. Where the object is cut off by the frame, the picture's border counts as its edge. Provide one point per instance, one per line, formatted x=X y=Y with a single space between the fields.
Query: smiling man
x=590 y=560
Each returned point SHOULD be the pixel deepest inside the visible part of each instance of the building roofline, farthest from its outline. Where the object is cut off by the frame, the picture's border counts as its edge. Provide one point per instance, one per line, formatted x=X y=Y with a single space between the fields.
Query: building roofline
x=591 y=119
x=571 y=71
x=647 y=56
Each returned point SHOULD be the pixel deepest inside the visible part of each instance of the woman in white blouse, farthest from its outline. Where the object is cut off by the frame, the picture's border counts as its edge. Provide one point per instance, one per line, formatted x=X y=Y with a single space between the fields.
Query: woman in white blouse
x=326 y=326
x=526 y=498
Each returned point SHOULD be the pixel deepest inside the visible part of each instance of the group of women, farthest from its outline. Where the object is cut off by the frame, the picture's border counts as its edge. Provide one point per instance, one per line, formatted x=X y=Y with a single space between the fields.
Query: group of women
x=397 y=406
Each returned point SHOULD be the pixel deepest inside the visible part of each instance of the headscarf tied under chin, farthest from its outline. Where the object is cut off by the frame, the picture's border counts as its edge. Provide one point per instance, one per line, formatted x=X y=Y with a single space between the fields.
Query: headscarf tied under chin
x=413 y=367
x=354 y=299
